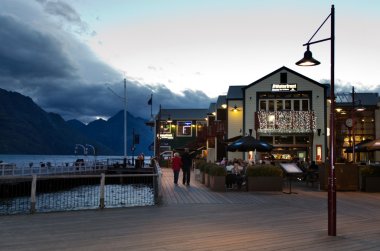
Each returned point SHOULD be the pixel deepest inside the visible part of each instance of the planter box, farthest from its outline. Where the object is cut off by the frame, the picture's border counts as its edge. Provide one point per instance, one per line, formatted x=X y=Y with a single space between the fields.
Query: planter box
x=347 y=177
x=197 y=174
x=218 y=183
x=207 y=180
x=202 y=177
x=371 y=184
x=265 y=183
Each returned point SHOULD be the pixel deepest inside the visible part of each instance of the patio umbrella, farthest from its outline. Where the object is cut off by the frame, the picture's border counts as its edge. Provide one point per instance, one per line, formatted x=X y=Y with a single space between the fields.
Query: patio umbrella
x=373 y=145
x=249 y=143
x=360 y=147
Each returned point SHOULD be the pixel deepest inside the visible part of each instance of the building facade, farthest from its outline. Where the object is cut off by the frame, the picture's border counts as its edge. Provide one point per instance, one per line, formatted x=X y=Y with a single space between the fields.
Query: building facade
x=285 y=109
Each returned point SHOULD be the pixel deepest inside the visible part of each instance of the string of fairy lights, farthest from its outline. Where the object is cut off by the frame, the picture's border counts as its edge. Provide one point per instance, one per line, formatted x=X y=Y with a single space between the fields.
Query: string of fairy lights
x=287 y=122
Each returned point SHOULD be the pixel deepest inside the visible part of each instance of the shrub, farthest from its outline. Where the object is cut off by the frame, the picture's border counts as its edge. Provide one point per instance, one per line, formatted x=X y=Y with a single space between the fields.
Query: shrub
x=370 y=171
x=263 y=170
x=216 y=170
x=199 y=163
x=206 y=167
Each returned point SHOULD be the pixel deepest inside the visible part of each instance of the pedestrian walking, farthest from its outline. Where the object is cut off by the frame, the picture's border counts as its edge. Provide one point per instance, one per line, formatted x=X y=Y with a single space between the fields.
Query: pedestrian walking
x=176 y=166
x=187 y=161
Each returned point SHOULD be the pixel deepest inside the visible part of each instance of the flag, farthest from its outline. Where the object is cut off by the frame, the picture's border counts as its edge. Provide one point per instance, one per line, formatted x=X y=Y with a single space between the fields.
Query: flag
x=150 y=101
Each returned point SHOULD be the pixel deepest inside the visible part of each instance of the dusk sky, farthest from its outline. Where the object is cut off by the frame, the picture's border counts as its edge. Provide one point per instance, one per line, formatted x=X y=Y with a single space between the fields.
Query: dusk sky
x=68 y=55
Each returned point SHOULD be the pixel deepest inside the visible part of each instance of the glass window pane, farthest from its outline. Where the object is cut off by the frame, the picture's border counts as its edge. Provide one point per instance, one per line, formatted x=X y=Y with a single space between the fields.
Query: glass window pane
x=279 y=105
x=267 y=139
x=184 y=128
x=288 y=104
x=302 y=139
x=283 y=139
x=296 y=105
x=165 y=127
x=270 y=105
x=305 y=105
x=263 y=105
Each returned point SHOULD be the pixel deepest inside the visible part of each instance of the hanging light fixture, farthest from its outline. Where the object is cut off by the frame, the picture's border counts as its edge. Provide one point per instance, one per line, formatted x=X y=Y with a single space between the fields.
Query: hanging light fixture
x=308 y=59
x=235 y=109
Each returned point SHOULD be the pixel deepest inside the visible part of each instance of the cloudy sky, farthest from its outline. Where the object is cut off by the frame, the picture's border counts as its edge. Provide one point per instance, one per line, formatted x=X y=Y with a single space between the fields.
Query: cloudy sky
x=71 y=56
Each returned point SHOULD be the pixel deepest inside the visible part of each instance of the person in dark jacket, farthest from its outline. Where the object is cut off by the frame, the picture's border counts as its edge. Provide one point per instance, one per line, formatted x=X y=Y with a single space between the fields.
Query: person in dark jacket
x=187 y=162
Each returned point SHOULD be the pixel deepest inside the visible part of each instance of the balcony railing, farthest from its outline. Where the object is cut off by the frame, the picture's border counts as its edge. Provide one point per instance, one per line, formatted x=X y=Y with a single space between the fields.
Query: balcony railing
x=286 y=122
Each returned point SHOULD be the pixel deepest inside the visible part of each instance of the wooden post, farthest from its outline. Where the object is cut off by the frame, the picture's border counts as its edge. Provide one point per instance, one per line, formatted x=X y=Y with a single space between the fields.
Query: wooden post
x=33 y=194
x=102 y=183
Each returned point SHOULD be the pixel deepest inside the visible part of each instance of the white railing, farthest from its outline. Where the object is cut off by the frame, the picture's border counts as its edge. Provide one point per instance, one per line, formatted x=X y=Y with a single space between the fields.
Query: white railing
x=46 y=193
x=48 y=169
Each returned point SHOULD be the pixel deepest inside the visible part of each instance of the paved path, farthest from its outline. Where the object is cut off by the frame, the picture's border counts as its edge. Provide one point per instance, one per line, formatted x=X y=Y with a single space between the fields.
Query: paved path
x=194 y=218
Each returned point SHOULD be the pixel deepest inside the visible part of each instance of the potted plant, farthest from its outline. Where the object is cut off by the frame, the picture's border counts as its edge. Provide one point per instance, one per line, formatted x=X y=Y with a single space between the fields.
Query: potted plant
x=370 y=178
x=198 y=169
x=202 y=170
x=207 y=174
x=217 y=176
x=264 y=178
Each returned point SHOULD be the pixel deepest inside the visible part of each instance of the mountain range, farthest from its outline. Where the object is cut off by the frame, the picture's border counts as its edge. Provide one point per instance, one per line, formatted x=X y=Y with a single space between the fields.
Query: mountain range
x=25 y=128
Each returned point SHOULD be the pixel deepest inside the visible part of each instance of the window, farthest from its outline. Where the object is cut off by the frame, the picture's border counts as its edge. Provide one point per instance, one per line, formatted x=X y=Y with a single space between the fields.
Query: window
x=165 y=127
x=271 y=105
x=305 y=105
x=263 y=105
x=296 y=105
x=184 y=129
x=201 y=127
x=267 y=139
x=283 y=140
x=279 y=105
x=288 y=104
x=302 y=139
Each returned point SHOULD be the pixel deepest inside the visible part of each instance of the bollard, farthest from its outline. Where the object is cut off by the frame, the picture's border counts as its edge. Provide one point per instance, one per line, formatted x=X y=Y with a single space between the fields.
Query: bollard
x=102 y=183
x=33 y=194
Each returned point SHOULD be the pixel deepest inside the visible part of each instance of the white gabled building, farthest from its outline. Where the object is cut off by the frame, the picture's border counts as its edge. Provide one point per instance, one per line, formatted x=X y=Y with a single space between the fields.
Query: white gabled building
x=288 y=110
x=283 y=108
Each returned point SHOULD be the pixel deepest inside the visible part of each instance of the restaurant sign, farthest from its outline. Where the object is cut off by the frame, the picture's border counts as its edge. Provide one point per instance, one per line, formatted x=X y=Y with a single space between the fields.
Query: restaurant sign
x=166 y=136
x=284 y=87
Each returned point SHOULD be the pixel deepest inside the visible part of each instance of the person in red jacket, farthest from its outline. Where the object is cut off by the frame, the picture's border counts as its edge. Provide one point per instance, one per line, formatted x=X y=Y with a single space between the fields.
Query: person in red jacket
x=176 y=166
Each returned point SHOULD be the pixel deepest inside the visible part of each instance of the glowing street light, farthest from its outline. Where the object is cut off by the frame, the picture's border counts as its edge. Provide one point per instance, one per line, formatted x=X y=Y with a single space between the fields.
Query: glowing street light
x=308 y=60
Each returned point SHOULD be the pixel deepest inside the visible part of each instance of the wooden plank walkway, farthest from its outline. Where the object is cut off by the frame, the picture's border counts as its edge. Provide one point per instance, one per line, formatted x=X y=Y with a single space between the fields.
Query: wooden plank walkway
x=194 y=218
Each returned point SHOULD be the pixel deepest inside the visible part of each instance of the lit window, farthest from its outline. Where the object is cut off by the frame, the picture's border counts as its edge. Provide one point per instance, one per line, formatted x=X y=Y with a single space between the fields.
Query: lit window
x=184 y=129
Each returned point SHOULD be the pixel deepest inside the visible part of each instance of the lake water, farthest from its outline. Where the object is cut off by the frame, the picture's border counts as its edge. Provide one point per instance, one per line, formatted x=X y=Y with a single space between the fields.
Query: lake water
x=81 y=197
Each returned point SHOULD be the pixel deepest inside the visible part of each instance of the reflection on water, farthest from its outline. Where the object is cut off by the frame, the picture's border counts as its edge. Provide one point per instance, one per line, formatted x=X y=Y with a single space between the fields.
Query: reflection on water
x=82 y=197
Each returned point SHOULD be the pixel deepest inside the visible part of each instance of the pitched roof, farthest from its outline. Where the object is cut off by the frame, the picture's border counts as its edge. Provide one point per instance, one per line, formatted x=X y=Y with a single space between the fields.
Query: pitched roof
x=178 y=114
x=363 y=98
x=212 y=108
x=286 y=69
x=221 y=101
x=235 y=92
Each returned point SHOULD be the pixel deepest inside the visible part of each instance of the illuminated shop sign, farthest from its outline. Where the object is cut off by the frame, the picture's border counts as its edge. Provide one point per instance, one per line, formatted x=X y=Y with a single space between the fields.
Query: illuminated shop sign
x=166 y=136
x=284 y=87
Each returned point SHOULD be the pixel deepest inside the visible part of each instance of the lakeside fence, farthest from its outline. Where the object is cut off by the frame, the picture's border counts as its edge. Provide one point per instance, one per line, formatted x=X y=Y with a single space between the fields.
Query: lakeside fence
x=49 y=168
x=46 y=193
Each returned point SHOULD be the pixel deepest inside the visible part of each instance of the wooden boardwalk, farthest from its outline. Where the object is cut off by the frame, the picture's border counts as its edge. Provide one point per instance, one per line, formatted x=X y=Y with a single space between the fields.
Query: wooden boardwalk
x=194 y=218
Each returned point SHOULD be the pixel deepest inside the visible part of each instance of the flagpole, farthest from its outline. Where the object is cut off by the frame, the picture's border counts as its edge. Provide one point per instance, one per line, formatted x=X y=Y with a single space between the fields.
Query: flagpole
x=151 y=105
x=125 y=123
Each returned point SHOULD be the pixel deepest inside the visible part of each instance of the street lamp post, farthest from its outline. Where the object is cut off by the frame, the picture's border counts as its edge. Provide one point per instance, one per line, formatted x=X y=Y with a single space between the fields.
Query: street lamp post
x=353 y=125
x=308 y=60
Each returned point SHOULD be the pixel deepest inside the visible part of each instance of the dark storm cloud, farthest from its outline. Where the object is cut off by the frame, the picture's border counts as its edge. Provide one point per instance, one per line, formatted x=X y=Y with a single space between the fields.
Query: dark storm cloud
x=63 y=76
x=86 y=102
x=66 y=13
x=26 y=52
x=346 y=87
